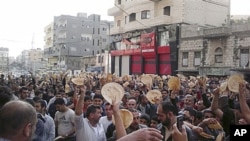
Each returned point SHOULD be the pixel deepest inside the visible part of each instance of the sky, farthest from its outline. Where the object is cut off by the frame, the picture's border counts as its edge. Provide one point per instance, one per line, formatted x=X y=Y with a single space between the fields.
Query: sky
x=23 y=21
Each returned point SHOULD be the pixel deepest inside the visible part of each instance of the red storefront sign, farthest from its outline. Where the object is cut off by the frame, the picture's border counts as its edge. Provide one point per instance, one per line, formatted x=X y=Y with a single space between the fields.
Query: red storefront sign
x=128 y=51
x=136 y=51
x=148 y=44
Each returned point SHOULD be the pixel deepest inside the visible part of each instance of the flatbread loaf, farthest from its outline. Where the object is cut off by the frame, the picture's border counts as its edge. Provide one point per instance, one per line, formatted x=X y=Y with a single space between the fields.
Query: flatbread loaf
x=153 y=96
x=78 y=81
x=127 y=117
x=174 y=83
x=112 y=92
x=233 y=82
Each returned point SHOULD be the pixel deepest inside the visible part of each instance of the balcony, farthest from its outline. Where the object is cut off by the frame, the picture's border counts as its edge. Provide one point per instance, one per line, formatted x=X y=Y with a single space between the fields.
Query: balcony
x=114 y=11
x=216 y=32
x=160 y=20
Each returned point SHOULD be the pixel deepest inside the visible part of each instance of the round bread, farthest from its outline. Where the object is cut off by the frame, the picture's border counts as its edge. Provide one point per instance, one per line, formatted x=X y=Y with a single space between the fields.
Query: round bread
x=112 y=92
x=215 y=126
x=233 y=82
x=127 y=117
x=223 y=86
x=78 y=81
x=147 y=80
x=174 y=83
x=153 y=96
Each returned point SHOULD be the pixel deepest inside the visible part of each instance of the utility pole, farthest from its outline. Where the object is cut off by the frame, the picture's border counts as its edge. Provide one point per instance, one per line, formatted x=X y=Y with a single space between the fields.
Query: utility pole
x=101 y=58
x=108 y=46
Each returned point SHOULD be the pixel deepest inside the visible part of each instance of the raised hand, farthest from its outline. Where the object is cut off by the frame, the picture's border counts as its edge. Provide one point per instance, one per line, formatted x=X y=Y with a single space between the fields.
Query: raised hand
x=179 y=135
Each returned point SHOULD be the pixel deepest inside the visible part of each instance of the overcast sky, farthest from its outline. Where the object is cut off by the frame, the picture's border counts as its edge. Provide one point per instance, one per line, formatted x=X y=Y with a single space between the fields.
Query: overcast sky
x=24 y=20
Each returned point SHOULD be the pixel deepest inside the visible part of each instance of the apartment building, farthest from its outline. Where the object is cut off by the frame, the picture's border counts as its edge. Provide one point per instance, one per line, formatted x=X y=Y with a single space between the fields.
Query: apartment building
x=147 y=32
x=71 y=37
x=4 y=60
x=218 y=51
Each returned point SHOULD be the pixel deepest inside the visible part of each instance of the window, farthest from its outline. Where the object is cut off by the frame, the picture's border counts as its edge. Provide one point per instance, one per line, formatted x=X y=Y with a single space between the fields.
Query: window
x=197 y=58
x=185 y=59
x=218 y=55
x=118 y=23
x=244 y=57
x=132 y=17
x=145 y=14
x=100 y=59
x=166 y=10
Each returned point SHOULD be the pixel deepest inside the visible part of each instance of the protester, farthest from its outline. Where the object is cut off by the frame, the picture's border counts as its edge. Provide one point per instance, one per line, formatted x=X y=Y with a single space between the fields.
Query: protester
x=17 y=129
x=64 y=120
x=201 y=104
x=49 y=125
x=89 y=128
x=167 y=114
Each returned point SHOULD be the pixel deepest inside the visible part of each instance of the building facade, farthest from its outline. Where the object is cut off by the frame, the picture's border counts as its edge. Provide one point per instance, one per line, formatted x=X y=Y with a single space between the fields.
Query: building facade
x=147 y=32
x=71 y=37
x=4 y=60
x=218 y=51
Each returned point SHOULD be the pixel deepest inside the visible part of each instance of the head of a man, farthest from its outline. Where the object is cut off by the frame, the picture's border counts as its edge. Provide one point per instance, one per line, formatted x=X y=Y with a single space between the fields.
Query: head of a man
x=136 y=119
x=60 y=105
x=98 y=99
x=93 y=113
x=108 y=110
x=189 y=101
x=40 y=106
x=5 y=95
x=18 y=121
x=24 y=93
x=165 y=94
x=167 y=112
x=189 y=115
x=87 y=100
x=131 y=103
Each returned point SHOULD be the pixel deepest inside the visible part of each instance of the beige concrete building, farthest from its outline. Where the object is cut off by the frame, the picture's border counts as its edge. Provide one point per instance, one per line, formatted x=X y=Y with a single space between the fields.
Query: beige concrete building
x=132 y=15
x=36 y=60
x=214 y=51
x=147 y=32
x=4 y=60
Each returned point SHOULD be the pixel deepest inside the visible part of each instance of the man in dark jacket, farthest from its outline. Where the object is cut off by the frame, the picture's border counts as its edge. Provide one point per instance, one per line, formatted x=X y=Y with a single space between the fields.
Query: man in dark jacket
x=167 y=114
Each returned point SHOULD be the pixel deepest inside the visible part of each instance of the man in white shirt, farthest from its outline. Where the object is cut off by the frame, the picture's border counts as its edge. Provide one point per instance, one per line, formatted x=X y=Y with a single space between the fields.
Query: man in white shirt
x=89 y=128
x=107 y=120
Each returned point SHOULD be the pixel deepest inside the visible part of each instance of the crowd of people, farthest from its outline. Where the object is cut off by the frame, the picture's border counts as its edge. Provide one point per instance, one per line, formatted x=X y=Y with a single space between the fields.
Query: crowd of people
x=52 y=107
